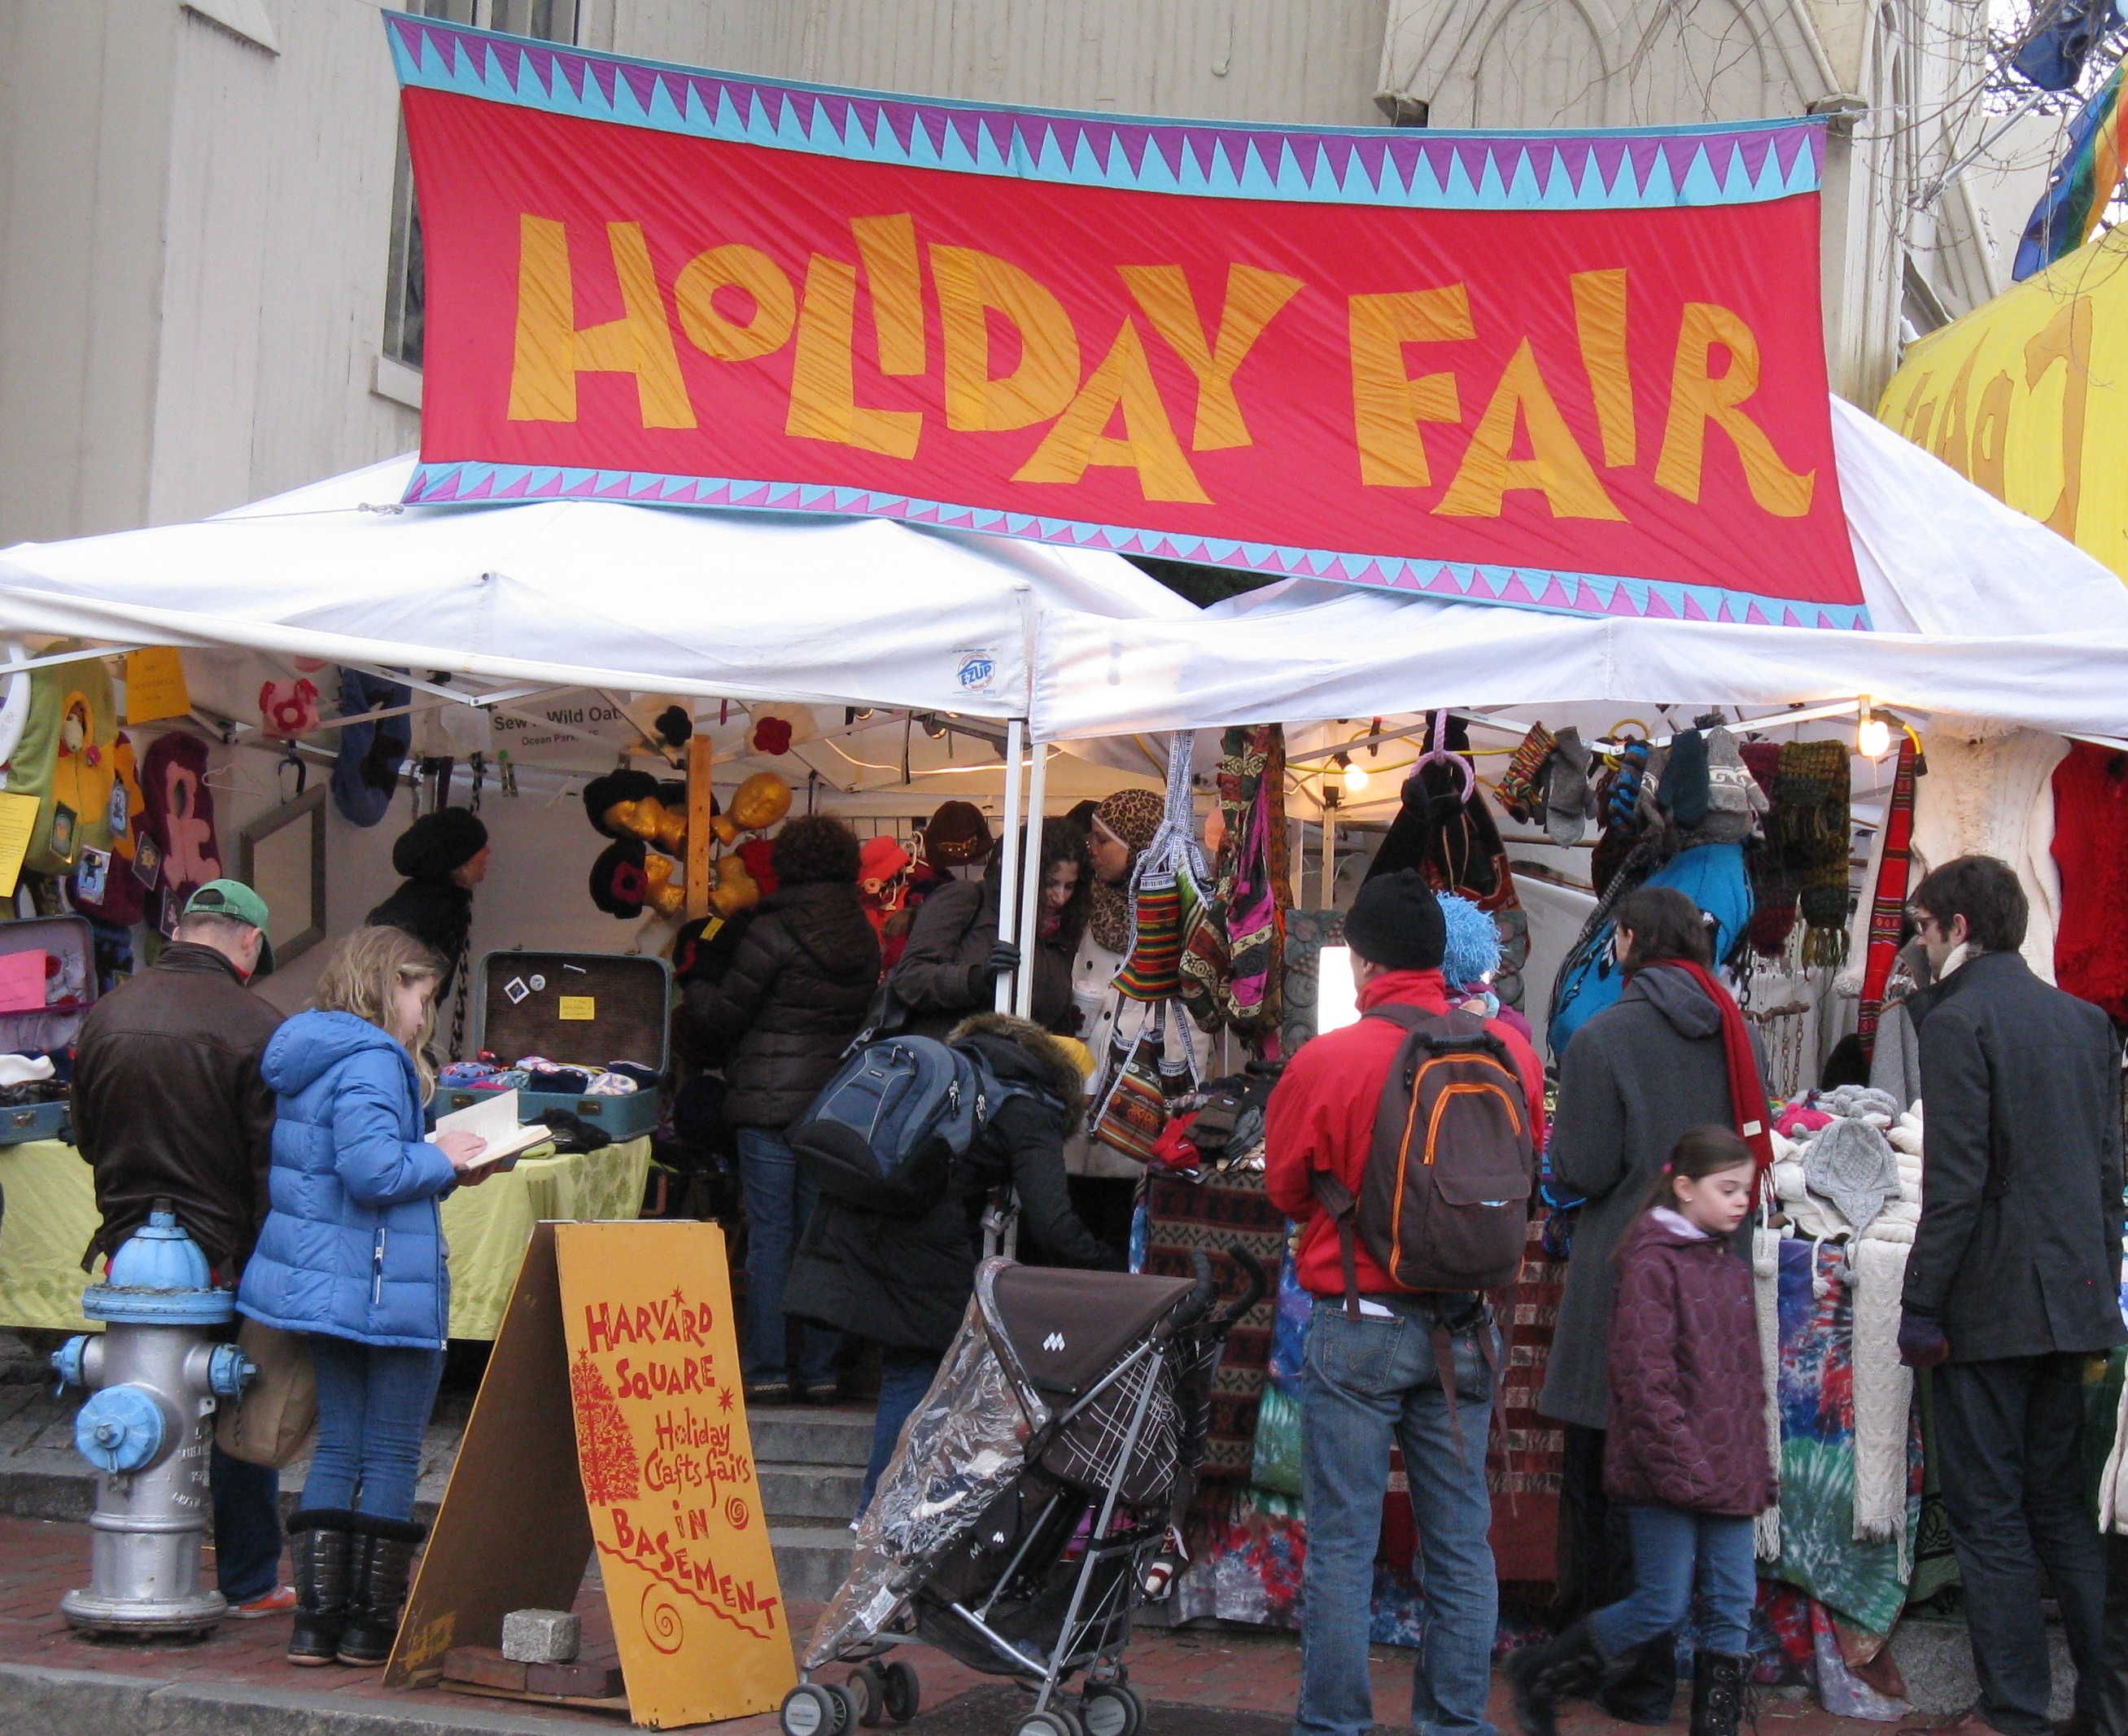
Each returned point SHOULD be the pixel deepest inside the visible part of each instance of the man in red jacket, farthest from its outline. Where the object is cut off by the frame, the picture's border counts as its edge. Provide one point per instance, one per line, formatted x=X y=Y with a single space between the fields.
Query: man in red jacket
x=1373 y=1380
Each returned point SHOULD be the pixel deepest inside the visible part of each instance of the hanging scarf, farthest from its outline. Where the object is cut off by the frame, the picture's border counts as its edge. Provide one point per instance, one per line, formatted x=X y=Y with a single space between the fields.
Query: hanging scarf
x=1887 y=912
x=1810 y=823
x=1134 y=817
x=1747 y=1092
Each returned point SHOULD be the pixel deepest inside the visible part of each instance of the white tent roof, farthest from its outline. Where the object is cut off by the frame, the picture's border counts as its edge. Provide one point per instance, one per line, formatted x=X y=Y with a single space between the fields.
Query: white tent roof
x=586 y=593
x=1979 y=611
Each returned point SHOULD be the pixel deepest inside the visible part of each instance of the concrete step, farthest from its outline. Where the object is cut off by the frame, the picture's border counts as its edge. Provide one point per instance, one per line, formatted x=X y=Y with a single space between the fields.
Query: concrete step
x=807 y=1493
x=807 y=1434
x=810 y=1560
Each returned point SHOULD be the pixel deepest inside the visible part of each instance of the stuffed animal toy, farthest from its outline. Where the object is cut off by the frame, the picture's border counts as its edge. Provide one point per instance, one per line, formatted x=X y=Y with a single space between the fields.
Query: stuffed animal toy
x=64 y=758
x=180 y=809
x=289 y=708
x=365 y=774
x=126 y=817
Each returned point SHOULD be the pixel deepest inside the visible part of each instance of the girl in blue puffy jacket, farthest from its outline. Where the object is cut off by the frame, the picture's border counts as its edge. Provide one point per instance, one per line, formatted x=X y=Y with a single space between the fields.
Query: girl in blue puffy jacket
x=353 y=1254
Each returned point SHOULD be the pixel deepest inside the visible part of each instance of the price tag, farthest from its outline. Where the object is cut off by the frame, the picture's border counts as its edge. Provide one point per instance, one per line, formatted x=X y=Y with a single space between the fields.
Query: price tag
x=579 y=1006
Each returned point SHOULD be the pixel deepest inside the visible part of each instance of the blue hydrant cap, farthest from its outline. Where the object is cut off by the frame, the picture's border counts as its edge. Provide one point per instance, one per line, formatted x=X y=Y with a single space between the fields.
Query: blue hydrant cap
x=160 y=1278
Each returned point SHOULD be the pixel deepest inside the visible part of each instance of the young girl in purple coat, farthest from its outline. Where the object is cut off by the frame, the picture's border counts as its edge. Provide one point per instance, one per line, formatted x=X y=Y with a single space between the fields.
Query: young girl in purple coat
x=1686 y=1450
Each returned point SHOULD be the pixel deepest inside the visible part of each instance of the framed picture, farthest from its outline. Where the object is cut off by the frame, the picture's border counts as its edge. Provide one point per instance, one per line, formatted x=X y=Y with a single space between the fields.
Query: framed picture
x=93 y=877
x=147 y=861
x=280 y=856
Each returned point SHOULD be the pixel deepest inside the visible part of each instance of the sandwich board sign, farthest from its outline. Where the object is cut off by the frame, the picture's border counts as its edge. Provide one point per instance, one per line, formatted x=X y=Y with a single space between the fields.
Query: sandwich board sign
x=612 y=1419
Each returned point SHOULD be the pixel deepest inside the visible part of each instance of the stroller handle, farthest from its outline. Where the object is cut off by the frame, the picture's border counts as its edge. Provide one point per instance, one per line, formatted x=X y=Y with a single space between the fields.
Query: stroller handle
x=1252 y=1291
x=1193 y=1308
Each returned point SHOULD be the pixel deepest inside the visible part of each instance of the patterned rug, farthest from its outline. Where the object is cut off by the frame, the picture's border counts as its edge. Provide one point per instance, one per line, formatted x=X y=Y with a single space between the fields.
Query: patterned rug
x=1183 y=1218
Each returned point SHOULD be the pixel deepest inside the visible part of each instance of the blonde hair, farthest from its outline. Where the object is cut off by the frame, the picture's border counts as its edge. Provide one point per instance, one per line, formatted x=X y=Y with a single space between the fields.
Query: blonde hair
x=360 y=979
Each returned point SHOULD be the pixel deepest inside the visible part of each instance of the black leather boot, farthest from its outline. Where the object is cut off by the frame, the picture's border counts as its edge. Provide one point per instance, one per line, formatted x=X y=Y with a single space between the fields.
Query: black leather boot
x=377 y=1594
x=1546 y=1676
x=1717 y=1692
x=1642 y=1686
x=319 y=1542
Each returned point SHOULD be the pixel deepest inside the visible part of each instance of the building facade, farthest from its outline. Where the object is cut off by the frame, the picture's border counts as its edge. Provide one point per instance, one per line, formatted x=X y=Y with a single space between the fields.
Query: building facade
x=210 y=285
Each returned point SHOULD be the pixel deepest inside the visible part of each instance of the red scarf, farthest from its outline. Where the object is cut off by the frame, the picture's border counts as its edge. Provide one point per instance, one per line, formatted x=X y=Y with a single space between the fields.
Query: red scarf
x=1747 y=1092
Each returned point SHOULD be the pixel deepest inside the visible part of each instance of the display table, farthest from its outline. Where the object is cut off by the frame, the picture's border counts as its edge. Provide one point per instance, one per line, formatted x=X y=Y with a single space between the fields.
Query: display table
x=51 y=1214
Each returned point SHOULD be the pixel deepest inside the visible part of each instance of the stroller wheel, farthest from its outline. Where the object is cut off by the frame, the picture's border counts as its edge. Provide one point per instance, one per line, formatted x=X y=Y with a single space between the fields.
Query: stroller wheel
x=817 y=1709
x=1112 y=1708
x=868 y=1688
x=904 y=1693
x=1057 y=1721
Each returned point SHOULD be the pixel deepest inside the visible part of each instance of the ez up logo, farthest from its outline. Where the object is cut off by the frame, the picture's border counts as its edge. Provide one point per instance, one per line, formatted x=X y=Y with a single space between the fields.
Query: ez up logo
x=974 y=670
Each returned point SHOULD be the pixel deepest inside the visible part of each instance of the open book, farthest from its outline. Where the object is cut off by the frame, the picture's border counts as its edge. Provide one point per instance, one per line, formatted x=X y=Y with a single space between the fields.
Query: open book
x=496 y=1121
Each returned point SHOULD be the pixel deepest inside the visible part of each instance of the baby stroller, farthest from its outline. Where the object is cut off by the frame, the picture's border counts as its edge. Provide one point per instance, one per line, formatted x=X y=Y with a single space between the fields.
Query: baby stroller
x=1035 y=1500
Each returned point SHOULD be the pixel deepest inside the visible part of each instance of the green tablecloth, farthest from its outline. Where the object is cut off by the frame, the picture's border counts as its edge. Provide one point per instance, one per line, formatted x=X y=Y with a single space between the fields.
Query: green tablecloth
x=51 y=1214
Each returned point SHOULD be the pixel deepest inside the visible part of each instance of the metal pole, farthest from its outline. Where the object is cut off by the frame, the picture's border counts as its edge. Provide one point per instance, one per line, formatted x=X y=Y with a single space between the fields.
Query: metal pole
x=1030 y=890
x=1016 y=736
x=1329 y=843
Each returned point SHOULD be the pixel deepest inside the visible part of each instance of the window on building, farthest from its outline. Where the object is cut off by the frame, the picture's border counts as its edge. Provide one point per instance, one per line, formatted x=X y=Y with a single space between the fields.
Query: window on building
x=406 y=290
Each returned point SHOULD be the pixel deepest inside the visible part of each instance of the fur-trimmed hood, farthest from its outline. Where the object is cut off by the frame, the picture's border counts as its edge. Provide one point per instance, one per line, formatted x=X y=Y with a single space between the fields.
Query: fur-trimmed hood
x=1022 y=1049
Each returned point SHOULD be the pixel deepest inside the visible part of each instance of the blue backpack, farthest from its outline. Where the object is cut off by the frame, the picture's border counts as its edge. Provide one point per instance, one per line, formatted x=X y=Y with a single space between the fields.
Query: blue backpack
x=884 y=1132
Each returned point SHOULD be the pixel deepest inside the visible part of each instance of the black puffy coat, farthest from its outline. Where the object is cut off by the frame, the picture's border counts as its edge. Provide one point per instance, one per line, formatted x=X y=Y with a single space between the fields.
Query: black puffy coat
x=2018 y=1250
x=943 y=975
x=796 y=992
x=906 y=1283
x=436 y=912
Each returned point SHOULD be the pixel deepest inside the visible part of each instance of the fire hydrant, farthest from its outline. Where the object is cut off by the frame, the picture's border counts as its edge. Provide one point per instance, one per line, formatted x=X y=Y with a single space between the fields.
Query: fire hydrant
x=155 y=1377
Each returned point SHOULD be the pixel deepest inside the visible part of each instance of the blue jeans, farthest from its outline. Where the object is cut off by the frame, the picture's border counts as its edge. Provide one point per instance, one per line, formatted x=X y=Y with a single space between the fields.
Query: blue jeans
x=779 y=1200
x=905 y=1377
x=1368 y=1383
x=247 y=1526
x=1672 y=1549
x=372 y=1405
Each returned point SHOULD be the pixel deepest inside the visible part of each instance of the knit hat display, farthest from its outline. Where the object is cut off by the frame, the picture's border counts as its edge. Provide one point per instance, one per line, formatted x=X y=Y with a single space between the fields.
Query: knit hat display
x=1396 y=922
x=1852 y=1164
x=439 y=843
x=2090 y=848
x=1734 y=799
x=957 y=833
x=1570 y=799
x=601 y=795
x=1471 y=946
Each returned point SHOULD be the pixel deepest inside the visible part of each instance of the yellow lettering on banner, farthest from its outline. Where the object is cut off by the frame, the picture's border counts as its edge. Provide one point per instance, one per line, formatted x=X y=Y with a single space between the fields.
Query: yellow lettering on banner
x=887 y=246
x=824 y=403
x=2066 y=340
x=1698 y=398
x=1388 y=405
x=1253 y=299
x=1990 y=437
x=1123 y=381
x=971 y=286
x=1556 y=466
x=1599 y=323
x=738 y=267
x=551 y=352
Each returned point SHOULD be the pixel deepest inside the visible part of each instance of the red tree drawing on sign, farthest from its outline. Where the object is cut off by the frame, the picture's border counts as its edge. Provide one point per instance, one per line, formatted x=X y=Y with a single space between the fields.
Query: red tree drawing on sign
x=606 y=1451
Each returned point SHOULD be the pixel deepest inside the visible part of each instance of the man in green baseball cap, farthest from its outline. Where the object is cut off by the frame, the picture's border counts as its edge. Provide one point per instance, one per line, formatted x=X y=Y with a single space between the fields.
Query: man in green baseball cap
x=169 y=1104
x=233 y=901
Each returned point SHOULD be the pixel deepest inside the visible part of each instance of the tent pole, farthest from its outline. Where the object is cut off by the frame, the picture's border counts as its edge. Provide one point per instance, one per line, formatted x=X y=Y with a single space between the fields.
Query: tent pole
x=1329 y=873
x=1030 y=885
x=1015 y=737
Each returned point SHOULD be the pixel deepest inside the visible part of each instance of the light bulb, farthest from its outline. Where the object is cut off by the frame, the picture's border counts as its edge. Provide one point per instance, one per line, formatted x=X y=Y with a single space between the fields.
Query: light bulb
x=1355 y=779
x=1872 y=738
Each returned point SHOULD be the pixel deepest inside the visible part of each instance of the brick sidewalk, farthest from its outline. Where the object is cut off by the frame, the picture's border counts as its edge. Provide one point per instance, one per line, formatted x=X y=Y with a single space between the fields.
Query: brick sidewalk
x=1240 y=1670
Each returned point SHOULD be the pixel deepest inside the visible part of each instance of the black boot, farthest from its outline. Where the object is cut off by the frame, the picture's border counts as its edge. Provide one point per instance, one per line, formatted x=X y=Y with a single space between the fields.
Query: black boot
x=376 y=1593
x=1545 y=1677
x=1641 y=1687
x=1717 y=1692
x=320 y=1543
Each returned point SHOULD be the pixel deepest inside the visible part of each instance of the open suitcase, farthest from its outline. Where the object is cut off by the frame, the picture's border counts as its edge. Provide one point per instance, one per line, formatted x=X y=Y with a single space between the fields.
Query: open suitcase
x=68 y=940
x=576 y=1009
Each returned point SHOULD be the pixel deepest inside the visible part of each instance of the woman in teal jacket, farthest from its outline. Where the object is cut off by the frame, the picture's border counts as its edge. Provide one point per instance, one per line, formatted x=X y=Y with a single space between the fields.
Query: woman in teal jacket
x=353 y=1254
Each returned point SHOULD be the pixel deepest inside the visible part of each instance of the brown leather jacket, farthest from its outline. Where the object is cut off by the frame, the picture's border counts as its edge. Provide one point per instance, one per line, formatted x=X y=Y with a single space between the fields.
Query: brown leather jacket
x=168 y=1103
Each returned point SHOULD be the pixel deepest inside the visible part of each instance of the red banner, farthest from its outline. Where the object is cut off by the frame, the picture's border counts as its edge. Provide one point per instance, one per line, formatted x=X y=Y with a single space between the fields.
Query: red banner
x=1569 y=374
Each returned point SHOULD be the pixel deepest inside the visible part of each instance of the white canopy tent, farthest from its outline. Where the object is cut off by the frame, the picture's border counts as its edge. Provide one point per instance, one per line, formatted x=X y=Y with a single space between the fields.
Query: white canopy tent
x=1979 y=611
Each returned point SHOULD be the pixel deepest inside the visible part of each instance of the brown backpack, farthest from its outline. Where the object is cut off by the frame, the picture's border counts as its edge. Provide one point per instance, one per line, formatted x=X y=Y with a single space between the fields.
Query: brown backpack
x=1444 y=1200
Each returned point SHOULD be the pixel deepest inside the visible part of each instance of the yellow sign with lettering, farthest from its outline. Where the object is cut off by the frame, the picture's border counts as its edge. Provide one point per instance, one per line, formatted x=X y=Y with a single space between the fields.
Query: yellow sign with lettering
x=667 y=1469
x=579 y=1006
x=155 y=685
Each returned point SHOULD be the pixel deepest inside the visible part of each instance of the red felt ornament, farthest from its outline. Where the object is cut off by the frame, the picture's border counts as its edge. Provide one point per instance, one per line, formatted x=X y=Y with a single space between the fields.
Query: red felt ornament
x=771 y=735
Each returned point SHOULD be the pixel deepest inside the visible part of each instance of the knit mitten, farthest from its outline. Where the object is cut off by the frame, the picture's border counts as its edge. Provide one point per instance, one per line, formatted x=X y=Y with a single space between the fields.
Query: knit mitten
x=1568 y=796
x=1684 y=792
x=1521 y=789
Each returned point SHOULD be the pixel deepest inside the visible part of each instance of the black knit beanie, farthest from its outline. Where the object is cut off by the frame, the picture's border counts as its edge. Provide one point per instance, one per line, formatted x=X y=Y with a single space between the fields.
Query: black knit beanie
x=437 y=842
x=1396 y=922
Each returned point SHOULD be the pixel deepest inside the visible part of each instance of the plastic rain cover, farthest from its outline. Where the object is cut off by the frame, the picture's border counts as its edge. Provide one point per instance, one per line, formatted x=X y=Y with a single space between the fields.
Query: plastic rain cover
x=959 y=1450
